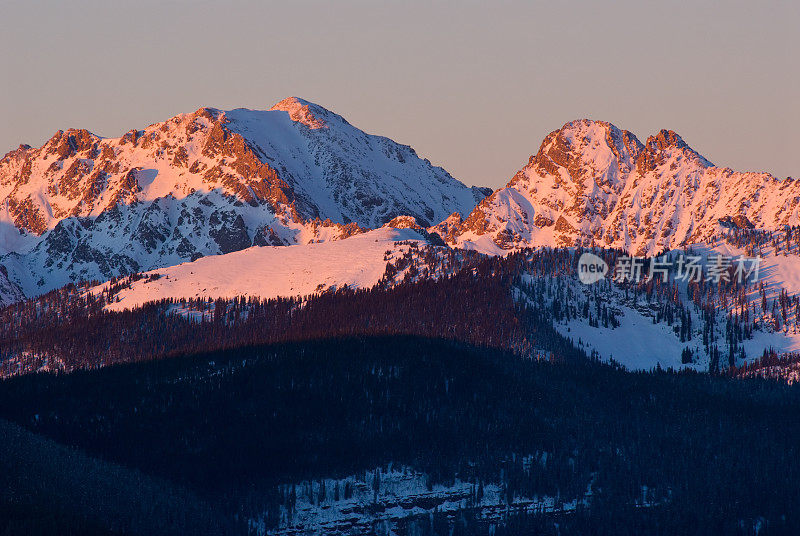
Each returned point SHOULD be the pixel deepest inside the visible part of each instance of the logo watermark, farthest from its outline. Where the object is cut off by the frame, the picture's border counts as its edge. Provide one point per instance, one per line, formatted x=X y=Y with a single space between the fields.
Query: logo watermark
x=687 y=268
x=591 y=268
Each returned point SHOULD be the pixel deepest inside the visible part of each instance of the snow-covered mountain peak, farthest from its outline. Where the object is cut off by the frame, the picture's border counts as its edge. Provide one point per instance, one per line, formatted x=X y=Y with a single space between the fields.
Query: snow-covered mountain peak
x=206 y=182
x=340 y=172
x=584 y=148
x=305 y=112
x=592 y=183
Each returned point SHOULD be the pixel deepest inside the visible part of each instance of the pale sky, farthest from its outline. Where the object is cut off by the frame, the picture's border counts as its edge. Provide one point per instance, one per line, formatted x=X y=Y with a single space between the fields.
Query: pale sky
x=471 y=86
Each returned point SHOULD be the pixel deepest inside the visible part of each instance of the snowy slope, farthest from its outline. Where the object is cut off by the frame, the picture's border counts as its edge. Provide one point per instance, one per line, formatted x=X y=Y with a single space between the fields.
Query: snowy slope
x=642 y=342
x=593 y=184
x=269 y=271
x=205 y=183
x=9 y=292
x=341 y=173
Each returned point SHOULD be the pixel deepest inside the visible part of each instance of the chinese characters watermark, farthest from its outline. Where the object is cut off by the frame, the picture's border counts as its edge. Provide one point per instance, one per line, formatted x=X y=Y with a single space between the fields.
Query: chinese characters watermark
x=681 y=267
x=688 y=268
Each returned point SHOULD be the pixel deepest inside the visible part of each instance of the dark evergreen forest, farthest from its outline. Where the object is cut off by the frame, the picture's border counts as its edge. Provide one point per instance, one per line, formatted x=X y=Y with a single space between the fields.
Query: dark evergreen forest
x=718 y=456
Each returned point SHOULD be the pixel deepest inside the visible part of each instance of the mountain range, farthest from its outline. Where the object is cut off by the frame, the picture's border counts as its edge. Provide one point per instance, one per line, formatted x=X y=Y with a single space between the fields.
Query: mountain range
x=271 y=322
x=213 y=182
x=83 y=207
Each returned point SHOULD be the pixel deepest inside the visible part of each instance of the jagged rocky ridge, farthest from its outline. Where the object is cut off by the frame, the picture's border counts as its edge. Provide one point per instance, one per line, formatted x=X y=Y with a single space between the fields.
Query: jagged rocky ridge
x=592 y=183
x=210 y=182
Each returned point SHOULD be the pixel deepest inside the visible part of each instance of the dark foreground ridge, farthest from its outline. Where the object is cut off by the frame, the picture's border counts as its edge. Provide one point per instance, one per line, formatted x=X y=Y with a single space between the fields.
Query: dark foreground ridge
x=661 y=452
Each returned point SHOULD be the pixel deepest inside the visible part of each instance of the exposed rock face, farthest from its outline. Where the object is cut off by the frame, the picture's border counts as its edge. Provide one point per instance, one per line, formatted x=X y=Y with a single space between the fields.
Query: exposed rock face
x=592 y=183
x=206 y=183
x=77 y=174
x=404 y=222
x=737 y=222
x=228 y=231
x=450 y=227
x=303 y=112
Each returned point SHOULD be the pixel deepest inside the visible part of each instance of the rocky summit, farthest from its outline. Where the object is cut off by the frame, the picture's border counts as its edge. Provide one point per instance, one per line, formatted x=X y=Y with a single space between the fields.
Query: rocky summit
x=592 y=183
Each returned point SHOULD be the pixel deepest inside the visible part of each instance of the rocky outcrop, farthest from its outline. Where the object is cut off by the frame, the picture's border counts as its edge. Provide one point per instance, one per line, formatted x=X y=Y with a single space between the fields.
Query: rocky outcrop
x=404 y=222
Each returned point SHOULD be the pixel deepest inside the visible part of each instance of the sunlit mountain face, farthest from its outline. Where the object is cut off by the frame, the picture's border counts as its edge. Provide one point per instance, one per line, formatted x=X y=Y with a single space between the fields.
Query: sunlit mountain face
x=210 y=182
x=270 y=322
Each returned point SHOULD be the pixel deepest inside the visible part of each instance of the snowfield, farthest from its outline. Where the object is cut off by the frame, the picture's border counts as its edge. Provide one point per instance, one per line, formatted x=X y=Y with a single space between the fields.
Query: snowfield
x=272 y=271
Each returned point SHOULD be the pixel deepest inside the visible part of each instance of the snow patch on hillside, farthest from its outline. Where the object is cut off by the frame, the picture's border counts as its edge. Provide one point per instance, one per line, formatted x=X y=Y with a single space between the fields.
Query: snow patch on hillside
x=399 y=500
x=272 y=271
x=640 y=344
x=636 y=343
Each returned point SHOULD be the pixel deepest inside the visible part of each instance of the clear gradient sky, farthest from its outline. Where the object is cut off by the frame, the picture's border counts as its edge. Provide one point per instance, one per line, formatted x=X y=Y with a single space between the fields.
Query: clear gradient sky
x=472 y=86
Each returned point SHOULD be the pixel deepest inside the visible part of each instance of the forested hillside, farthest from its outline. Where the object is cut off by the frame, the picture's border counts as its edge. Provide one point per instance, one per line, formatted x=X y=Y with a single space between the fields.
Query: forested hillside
x=517 y=302
x=274 y=433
